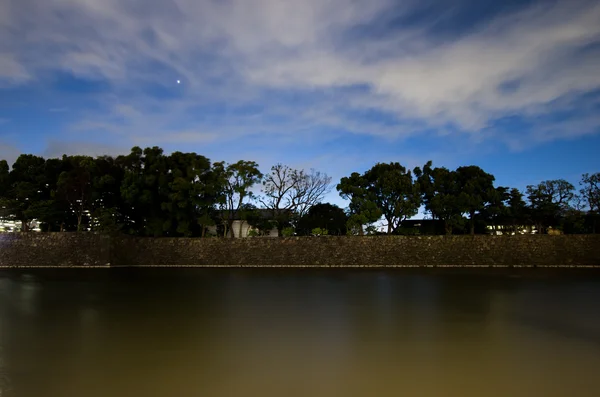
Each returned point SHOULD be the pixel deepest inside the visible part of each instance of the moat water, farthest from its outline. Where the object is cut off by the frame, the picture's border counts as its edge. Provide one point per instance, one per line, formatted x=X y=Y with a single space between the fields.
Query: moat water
x=304 y=333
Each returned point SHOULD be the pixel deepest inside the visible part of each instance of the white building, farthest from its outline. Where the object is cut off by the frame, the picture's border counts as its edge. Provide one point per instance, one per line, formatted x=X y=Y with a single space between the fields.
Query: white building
x=241 y=228
x=11 y=226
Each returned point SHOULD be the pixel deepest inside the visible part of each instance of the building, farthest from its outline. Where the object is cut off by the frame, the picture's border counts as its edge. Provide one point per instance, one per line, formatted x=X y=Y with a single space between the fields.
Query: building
x=8 y=225
x=242 y=228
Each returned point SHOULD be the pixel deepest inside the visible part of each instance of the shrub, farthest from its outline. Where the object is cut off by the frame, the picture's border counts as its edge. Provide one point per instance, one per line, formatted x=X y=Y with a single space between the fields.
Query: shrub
x=317 y=231
x=288 y=232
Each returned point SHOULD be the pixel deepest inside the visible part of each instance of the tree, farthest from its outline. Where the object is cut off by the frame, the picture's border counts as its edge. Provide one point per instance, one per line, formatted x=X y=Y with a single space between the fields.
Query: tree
x=144 y=188
x=361 y=211
x=324 y=216
x=390 y=187
x=550 y=200
x=189 y=187
x=25 y=184
x=256 y=218
x=4 y=186
x=53 y=212
x=590 y=194
x=590 y=191
x=287 y=191
x=4 y=175
x=75 y=186
x=236 y=180
x=495 y=211
x=476 y=189
x=441 y=194
x=517 y=211
x=109 y=212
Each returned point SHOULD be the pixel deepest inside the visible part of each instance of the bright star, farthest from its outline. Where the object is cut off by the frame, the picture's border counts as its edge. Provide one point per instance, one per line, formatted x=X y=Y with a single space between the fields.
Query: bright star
x=178 y=81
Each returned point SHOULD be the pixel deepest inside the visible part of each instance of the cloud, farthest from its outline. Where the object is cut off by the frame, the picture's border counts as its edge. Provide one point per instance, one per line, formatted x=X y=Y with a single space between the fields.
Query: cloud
x=8 y=152
x=280 y=68
x=57 y=148
x=11 y=71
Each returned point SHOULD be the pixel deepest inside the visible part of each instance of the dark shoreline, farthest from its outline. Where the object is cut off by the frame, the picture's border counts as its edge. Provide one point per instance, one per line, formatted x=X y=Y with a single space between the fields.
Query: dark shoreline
x=177 y=272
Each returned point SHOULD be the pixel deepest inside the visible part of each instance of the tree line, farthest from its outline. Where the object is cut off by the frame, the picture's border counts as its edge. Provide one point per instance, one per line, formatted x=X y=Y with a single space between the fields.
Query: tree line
x=150 y=193
x=466 y=200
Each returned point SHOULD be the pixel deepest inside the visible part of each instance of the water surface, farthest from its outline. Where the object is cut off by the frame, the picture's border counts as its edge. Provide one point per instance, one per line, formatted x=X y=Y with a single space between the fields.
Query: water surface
x=274 y=333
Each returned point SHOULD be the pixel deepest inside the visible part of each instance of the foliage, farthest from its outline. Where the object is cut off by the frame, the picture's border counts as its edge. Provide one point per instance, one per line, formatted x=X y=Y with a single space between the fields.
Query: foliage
x=549 y=201
x=148 y=192
x=407 y=231
x=324 y=216
x=441 y=195
x=288 y=232
x=235 y=180
x=253 y=233
x=362 y=212
x=476 y=191
x=317 y=231
x=391 y=188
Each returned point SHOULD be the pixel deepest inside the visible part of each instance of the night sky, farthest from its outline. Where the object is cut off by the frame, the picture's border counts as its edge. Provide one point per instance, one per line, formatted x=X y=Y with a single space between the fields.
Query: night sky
x=336 y=85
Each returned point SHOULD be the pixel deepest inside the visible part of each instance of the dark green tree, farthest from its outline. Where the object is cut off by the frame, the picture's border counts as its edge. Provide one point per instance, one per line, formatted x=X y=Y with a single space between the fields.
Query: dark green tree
x=441 y=195
x=549 y=201
x=75 y=187
x=324 y=216
x=362 y=211
x=108 y=209
x=391 y=188
x=26 y=182
x=188 y=178
x=144 y=188
x=476 y=189
x=4 y=186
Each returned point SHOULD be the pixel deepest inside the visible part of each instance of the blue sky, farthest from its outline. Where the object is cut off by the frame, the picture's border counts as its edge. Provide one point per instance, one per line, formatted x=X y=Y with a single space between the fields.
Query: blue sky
x=336 y=85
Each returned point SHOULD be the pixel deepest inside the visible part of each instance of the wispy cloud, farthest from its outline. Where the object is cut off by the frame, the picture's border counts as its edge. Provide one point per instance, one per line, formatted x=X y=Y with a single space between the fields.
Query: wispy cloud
x=280 y=68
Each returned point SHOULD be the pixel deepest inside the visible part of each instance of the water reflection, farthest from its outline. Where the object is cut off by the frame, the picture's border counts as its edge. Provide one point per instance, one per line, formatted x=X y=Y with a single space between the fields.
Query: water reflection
x=164 y=332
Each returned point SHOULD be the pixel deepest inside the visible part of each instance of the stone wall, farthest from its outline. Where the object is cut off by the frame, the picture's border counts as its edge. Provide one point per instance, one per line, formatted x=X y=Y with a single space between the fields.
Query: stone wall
x=88 y=250
x=53 y=250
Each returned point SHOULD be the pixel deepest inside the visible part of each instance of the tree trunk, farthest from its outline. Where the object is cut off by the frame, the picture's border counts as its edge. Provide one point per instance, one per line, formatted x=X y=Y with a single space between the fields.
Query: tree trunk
x=472 y=221
x=24 y=225
x=203 y=233
x=240 y=233
x=447 y=228
x=231 y=228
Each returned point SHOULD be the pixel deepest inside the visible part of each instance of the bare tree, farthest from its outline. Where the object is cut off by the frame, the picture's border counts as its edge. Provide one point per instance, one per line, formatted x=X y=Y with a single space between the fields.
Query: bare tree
x=590 y=191
x=286 y=190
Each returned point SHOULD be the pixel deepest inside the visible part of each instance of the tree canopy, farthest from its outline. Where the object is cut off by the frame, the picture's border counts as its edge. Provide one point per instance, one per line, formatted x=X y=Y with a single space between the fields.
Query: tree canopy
x=150 y=193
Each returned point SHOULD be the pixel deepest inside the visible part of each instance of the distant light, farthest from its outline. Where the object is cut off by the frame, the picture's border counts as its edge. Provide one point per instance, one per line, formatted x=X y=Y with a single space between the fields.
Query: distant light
x=178 y=81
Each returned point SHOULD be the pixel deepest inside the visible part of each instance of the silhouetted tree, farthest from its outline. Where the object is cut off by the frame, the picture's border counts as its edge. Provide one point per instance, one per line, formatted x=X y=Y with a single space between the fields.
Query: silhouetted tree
x=324 y=216
x=362 y=211
x=476 y=189
x=237 y=181
x=548 y=201
x=441 y=193
x=287 y=191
